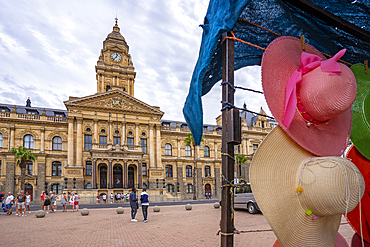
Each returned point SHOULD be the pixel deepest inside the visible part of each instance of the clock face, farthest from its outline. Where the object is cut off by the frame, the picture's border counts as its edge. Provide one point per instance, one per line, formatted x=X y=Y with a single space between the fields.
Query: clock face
x=116 y=57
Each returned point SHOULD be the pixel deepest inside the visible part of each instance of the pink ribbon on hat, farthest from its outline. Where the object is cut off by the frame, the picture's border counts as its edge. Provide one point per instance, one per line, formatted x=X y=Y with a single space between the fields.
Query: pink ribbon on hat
x=308 y=62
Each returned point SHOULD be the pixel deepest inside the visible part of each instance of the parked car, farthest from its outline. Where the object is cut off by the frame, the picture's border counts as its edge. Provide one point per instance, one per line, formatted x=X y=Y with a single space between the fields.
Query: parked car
x=244 y=199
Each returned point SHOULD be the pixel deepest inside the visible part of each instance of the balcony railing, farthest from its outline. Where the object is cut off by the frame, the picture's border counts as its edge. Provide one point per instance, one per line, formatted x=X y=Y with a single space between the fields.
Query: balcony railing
x=97 y=146
x=33 y=117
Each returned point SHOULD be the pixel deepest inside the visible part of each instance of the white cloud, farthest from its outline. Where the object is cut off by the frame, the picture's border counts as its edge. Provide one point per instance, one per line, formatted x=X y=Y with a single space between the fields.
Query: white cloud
x=49 y=49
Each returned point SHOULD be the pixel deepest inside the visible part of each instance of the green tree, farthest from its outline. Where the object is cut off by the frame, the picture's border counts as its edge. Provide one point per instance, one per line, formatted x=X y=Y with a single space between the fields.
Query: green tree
x=23 y=155
x=190 y=142
x=239 y=159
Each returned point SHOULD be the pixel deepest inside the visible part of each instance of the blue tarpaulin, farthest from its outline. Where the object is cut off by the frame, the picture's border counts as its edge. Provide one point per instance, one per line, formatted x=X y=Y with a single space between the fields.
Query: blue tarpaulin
x=280 y=17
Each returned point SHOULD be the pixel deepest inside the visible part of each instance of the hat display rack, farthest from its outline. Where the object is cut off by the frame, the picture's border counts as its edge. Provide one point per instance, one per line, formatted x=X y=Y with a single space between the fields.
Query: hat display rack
x=227 y=104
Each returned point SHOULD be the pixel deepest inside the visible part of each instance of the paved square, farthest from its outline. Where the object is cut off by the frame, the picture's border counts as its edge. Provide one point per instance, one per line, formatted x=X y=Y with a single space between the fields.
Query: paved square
x=172 y=226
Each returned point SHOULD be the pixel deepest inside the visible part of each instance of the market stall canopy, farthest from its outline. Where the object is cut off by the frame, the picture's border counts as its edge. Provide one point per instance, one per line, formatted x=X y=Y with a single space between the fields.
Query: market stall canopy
x=327 y=25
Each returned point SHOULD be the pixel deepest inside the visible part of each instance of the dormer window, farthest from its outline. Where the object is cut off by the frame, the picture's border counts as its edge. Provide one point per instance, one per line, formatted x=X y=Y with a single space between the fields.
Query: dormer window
x=4 y=109
x=184 y=125
x=166 y=124
x=59 y=114
x=33 y=112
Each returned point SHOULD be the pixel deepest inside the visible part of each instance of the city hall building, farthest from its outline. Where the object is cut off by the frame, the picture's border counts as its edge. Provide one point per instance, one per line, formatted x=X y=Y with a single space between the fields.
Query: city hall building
x=110 y=142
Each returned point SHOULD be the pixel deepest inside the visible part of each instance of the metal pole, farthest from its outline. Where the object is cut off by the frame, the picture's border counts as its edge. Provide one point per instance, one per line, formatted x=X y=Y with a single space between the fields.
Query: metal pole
x=227 y=222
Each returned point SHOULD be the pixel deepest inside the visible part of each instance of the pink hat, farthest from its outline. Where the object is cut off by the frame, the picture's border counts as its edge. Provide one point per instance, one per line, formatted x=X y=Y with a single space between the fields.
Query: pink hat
x=310 y=96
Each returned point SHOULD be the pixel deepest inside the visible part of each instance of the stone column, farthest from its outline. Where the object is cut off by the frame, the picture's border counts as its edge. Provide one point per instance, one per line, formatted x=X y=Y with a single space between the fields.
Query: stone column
x=94 y=174
x=96 y=130
x=9 y=176
x=110 y=174
x=111 y=133
x=102 y=84
x=70 y=142
x=125 y=175
x=41 y=172
x=216 y=154
x=180 y=180
x=132 y=88
x=245 y=171
x=217 y=183
x=198 y=154
x=140 y=175
x=159 y=149
x=123 y=132
x=244 y=144
x=137 y=134
x=42 y=147
x=199 y=178
x=151 y=146
x=12 y=129
x=178 y=147
x=79 y=143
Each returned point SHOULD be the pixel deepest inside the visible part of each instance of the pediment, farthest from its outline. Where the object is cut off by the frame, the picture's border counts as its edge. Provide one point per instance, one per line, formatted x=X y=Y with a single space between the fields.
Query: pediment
x=116 y=100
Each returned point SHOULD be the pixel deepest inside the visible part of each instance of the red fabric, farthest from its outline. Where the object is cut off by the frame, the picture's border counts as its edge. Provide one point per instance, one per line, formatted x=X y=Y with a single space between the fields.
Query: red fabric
x=363 y=165
x=356 y=241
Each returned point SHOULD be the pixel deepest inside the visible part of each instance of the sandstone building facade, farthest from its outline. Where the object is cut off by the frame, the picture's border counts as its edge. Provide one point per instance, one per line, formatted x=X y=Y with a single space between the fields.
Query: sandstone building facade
x=110 y=142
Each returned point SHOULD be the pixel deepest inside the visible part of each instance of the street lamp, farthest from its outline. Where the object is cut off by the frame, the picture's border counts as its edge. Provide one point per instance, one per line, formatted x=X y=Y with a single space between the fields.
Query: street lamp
x=164 y=185
x=65 y=182
x=74 y=183
x=46 y=186
x=157 y=183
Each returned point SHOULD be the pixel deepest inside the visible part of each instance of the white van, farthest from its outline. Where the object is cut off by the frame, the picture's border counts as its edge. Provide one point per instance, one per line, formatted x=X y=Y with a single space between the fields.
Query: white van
x=244 y=199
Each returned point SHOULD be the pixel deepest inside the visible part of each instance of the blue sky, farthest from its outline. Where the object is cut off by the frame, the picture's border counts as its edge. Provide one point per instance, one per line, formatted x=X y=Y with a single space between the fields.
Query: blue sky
x=49 y=49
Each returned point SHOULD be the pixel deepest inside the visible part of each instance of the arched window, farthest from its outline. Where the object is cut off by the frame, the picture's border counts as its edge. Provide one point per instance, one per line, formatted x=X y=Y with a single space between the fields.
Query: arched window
x=57 y=143
x=88 y=168
x=189 y=188
x=88 y=186
x=207 y=171
x=29 y=167
x=1 y=140
x=187 y=151
x=28 y=141
x=169 y=171
x=144 y=186
x=206 y=151
x=188 y=171
x=56 y=168
x=168 y=149
x=144 y=170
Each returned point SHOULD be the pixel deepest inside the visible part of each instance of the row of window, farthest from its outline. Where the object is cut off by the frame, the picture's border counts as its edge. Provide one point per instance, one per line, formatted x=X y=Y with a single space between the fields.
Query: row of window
x=116 y=140
x=28 y=142
x=171 y=188
x=188 y=169
x=88 y=170
x=168 y=150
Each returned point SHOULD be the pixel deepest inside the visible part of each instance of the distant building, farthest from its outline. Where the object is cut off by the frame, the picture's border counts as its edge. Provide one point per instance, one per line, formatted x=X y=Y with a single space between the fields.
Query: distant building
x=111 y=141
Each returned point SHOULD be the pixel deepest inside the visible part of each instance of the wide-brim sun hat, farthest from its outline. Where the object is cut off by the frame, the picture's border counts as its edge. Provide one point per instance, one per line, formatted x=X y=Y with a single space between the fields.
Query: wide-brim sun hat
x=363 y=165
x=340 y=241
x=314 y=108
x=360 y=135
x=301 y=195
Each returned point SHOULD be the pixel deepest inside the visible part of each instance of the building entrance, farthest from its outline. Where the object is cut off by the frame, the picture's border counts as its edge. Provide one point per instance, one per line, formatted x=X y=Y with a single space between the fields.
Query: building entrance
x=208 y=190
x=103 y=177
x=131 y=174
x=117 y=177
x=29 y=189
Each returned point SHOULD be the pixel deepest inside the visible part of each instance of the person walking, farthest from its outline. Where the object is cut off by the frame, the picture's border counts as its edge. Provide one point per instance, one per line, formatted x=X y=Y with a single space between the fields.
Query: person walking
x=42 y=195
x=53 y=199
x=64 y=202
x=47 y=202
x=77 y=200
x=16 y=204
x=133 y=201
x=21 y=198
x=72 y=201
x=28 y=202
x=98 y=199
x=9 y=202
x=104 y=196
x=111 y=197
x=144 y=198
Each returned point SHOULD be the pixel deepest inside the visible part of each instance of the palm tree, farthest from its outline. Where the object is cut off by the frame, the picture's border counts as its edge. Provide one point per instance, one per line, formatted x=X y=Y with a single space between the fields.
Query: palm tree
x=190 y=142
x=239 y=159
x=23 y=155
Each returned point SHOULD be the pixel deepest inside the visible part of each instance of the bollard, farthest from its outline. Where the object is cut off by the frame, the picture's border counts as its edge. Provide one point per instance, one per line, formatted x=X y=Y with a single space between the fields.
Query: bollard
x=85 y=212
x=188 y=207
x=156 y=209
x=216 y=205
x=40 y=214
x=120 y=210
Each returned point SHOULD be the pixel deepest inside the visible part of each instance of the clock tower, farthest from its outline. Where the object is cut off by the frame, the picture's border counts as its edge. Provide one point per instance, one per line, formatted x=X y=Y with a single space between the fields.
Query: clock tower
x=114 y=69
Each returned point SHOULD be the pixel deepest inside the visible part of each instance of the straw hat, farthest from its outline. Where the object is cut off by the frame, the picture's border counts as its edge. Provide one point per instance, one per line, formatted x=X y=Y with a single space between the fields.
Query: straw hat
x=360 y=135
x=353 y=217
x=316 y=112
x=340 y=241
x=312 y=217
